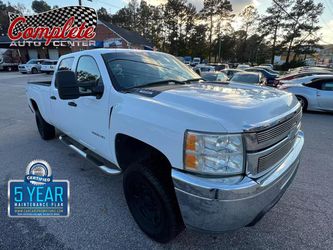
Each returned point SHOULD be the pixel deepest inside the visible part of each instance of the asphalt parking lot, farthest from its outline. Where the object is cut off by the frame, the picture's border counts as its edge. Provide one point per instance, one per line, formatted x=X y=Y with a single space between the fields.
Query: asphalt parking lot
x=100 y=218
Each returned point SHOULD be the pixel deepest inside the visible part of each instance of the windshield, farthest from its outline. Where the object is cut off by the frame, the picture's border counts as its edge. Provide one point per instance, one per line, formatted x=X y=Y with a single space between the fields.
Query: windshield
x=250 y=78
x=133 y=69
x=31 y=62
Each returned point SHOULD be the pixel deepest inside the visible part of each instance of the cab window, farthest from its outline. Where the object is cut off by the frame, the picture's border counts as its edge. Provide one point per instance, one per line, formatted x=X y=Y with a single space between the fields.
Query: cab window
x=66 y=64
x=87 y=72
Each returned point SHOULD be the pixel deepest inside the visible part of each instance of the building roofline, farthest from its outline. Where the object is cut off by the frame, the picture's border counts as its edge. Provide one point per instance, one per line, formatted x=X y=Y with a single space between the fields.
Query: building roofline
x=100 y=22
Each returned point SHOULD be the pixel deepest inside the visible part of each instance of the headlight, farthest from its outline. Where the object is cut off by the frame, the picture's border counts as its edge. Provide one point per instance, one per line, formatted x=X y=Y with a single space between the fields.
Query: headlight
x=216 y=154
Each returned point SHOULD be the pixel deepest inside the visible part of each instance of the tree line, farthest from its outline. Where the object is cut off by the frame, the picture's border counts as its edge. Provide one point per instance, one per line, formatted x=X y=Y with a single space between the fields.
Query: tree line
x=287 y=26
x=177 y=27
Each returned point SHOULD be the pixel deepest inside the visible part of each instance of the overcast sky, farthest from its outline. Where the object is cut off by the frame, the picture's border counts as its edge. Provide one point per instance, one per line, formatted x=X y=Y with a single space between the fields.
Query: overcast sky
x=326 y=21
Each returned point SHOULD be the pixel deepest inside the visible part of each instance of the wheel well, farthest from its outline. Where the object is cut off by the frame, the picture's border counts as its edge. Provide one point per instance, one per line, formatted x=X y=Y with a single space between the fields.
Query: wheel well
x=34 y=105
x=129 y=150
x=306 y=101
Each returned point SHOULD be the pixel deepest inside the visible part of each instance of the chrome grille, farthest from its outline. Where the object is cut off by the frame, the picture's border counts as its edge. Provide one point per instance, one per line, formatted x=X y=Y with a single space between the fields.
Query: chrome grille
x=267 y=147
x=270 y=160
x=278 y=130
x=263 y=138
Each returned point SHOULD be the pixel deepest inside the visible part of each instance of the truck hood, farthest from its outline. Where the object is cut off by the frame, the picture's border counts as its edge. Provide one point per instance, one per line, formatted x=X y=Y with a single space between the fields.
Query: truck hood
x=237 y=107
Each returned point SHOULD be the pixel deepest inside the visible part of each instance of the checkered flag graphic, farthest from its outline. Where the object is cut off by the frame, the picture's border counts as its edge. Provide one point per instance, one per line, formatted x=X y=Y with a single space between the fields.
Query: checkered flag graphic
x=57 y=17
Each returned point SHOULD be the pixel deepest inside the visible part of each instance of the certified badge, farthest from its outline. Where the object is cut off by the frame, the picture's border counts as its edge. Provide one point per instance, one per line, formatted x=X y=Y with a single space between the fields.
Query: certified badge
x=38 y=195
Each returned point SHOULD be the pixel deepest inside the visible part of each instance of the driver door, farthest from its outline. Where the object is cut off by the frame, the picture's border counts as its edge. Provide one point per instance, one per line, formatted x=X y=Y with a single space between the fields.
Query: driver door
x=325 y=95
x=91 y=112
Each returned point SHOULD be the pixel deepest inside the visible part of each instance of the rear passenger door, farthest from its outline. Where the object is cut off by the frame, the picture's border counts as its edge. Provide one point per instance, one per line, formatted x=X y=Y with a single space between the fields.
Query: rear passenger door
x=325 y=95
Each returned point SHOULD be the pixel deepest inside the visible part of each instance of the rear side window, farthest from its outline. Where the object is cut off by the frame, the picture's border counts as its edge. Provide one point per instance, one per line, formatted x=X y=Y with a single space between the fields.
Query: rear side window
x=328 y=86
x=314 y=85
x=66 y=64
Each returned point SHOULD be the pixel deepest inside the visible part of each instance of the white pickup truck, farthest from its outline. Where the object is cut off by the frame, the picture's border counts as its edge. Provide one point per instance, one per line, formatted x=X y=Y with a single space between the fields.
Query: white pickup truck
x=208 y=156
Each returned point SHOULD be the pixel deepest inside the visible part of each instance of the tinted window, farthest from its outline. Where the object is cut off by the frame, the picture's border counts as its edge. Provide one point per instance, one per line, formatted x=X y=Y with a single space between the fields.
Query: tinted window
x=66 y=64
x=246 y=78
x=314 y=85
x=209 y=77
x=49 y=63
x=87 y=72
x=205 y=69
x=327 y=86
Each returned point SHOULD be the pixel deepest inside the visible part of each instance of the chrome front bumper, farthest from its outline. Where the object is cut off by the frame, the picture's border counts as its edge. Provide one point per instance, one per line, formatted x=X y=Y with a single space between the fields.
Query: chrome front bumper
x=222 y=204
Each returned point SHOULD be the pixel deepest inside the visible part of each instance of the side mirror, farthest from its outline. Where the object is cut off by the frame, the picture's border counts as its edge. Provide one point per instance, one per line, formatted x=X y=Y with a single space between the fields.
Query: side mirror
x=67 y=86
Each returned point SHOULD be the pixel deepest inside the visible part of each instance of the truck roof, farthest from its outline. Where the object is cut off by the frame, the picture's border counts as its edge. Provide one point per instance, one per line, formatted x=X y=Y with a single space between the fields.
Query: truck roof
x=104 y=51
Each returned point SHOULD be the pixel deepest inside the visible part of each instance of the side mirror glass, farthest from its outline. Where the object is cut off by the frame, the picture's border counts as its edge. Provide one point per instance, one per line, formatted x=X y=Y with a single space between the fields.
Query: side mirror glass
x=67 y=86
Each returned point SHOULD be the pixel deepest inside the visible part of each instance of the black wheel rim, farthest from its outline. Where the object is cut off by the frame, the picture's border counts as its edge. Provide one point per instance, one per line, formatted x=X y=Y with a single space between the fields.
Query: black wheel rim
x=145 y=205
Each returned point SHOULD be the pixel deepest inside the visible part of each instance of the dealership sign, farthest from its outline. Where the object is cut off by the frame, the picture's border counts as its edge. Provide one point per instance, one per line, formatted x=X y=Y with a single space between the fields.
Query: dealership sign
x=72 y=25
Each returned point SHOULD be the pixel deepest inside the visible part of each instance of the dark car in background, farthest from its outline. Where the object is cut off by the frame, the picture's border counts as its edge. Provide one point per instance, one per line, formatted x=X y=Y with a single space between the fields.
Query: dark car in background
x=271 y=79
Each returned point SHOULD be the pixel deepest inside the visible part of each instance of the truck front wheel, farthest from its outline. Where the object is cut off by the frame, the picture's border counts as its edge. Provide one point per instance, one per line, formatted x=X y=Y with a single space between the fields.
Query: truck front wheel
x=46 y=130
x=152 y=201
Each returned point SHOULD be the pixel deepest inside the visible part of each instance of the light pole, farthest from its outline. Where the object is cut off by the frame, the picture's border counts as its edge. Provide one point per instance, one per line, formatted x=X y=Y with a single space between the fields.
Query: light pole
x=80 y=2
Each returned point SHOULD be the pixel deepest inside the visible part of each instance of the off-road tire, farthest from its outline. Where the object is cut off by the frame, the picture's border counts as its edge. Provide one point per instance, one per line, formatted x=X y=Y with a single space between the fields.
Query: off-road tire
x=152 y=200
x=46 y=130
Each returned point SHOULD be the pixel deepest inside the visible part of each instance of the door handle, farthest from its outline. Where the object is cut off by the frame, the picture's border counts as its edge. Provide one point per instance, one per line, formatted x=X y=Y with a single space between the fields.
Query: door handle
x=73 y=104
x=53 y=98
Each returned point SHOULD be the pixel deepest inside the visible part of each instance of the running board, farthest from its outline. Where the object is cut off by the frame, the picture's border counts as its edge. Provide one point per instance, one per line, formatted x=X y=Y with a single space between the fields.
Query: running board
x=100 y=162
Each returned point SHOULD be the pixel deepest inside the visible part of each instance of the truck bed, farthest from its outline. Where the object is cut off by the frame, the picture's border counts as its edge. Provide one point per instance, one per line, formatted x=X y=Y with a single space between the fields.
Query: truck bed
x=43 y=83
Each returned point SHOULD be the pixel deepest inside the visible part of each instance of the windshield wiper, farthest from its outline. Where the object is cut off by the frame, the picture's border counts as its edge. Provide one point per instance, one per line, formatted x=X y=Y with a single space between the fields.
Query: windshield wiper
x=169 y=82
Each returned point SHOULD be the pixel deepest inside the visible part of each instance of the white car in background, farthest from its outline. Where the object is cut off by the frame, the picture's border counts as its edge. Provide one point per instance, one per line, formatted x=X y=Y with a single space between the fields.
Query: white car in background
x=243 y=66
x=48 y=66
x=203 y=68
x=196 y=61
x=306 y=79
x=316 y=95
x=31 y=67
